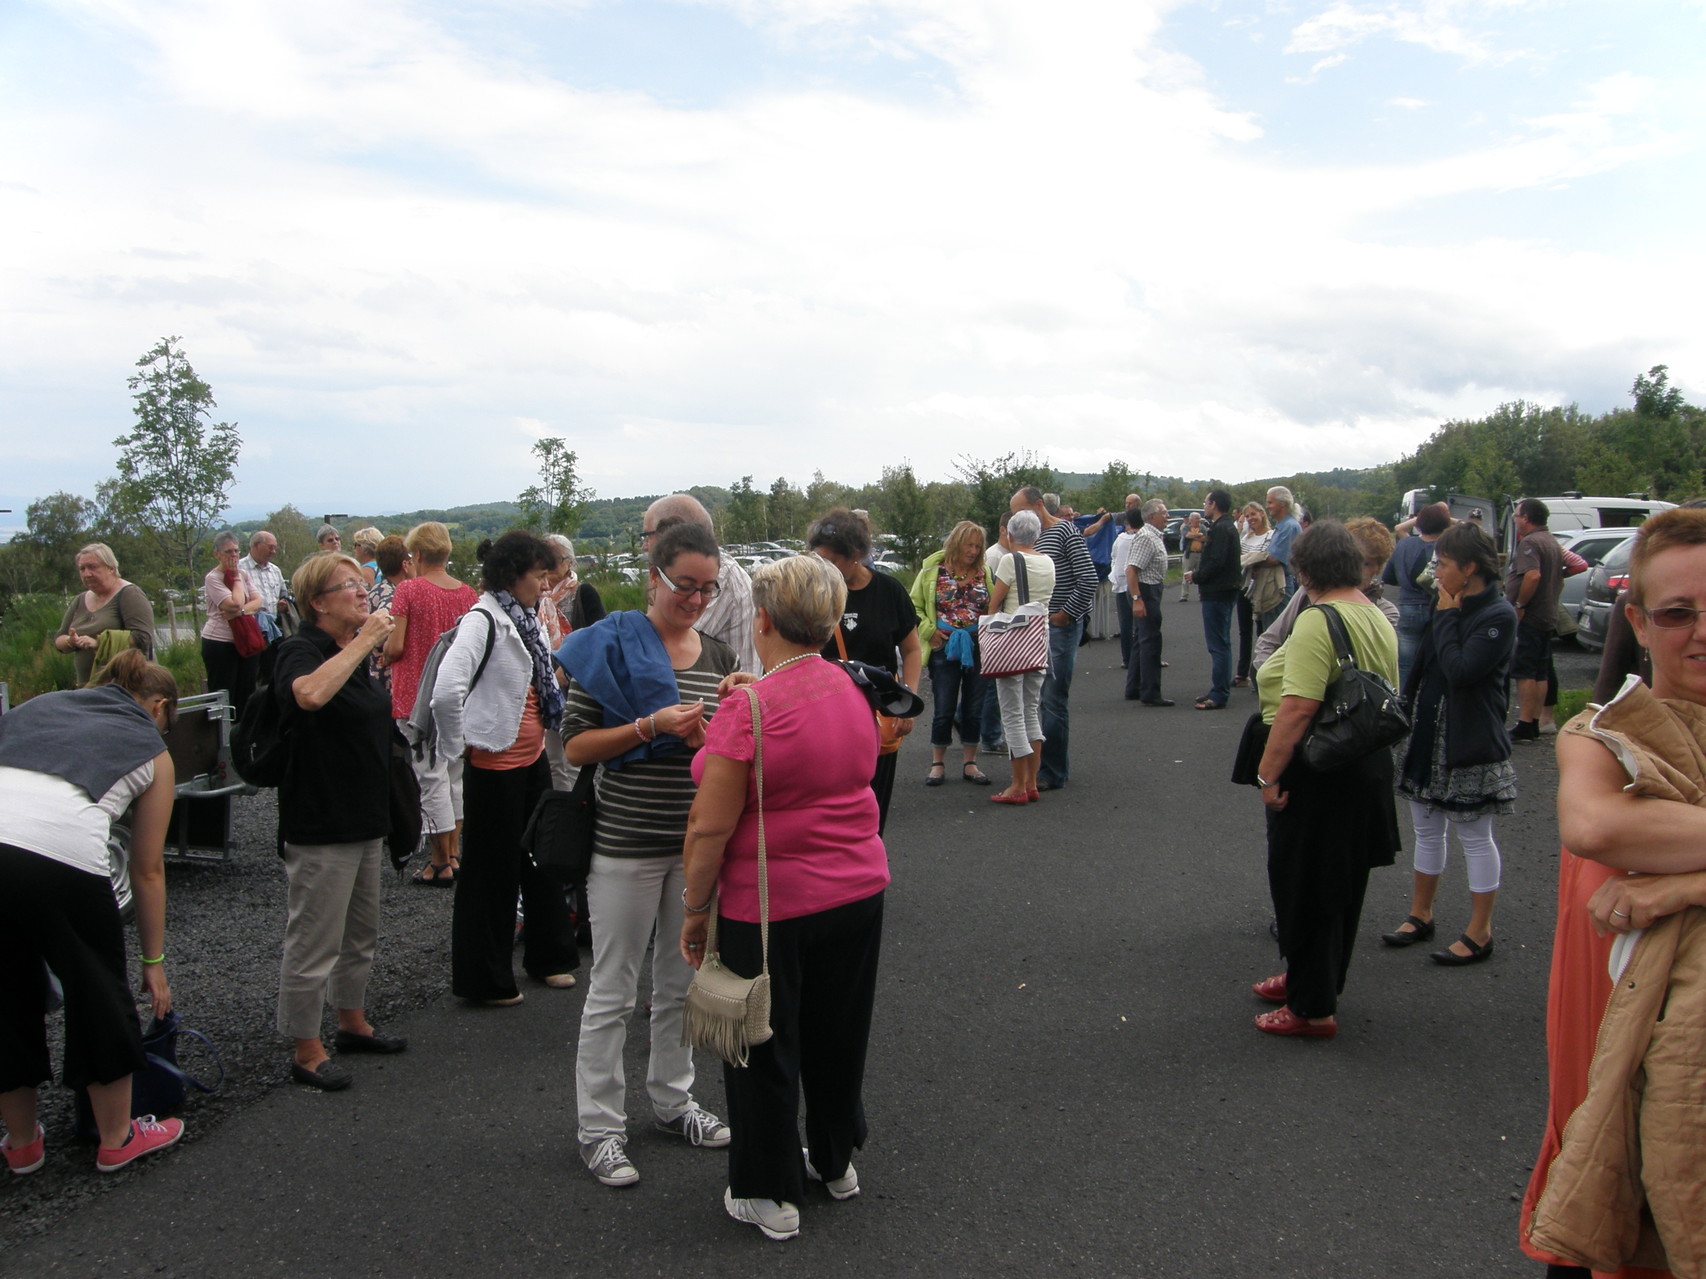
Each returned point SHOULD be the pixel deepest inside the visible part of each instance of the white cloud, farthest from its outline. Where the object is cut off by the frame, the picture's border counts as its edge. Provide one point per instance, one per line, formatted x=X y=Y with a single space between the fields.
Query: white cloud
x=400 y=258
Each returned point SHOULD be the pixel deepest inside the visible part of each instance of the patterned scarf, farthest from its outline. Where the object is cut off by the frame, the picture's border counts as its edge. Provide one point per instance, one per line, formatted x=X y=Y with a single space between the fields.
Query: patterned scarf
x=545 y=688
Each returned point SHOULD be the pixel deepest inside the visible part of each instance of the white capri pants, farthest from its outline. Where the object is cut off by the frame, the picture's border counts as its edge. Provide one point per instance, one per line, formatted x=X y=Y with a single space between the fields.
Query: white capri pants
x=1480 y=853
x=1020 y=698
x=441 y=791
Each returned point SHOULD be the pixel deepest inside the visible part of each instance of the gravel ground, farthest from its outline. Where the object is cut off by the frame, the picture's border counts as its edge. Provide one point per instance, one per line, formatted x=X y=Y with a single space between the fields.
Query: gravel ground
x=224 y=930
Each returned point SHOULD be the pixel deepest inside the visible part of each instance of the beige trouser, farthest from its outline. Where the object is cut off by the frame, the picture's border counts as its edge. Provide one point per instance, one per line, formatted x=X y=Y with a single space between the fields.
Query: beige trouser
x=330 y=933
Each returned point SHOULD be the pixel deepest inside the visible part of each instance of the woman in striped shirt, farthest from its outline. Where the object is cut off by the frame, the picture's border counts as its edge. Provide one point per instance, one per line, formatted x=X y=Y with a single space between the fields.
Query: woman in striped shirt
x=641 y=688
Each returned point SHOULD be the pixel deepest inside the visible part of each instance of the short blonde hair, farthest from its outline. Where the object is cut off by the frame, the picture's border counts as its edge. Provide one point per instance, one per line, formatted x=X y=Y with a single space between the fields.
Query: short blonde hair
x=309 y=581
x=102 y=552
x=368 y=539
x=955 y=545
x=429 y=542
x=803 y=594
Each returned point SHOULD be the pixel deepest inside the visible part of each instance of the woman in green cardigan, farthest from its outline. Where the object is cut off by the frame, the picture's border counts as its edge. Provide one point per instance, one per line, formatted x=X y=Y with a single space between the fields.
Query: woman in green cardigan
x=950 y=593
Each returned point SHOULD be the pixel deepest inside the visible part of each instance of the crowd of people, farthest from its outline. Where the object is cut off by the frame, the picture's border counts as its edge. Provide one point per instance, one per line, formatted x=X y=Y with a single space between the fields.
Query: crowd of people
x=697 y=825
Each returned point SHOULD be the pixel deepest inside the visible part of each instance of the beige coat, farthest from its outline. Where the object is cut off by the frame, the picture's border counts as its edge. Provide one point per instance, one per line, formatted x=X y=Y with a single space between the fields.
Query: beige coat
x=1629 y=1185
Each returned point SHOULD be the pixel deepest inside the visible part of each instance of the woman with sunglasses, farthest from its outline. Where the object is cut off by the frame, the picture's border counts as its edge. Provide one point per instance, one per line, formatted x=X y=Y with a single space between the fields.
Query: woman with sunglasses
x=1622 y=1180
x=641 y=689
x=1456 y=769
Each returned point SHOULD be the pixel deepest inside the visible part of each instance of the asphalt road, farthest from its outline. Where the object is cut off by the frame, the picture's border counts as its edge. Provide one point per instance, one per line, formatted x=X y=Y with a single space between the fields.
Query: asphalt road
x=1063 y=1075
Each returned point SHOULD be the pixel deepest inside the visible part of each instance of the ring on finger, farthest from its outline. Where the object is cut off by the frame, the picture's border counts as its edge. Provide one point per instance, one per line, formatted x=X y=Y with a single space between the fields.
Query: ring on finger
x=1621 y=913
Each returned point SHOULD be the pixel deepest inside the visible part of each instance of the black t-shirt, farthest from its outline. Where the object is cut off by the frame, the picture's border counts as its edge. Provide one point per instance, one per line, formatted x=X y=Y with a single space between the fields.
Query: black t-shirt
x=878 y=616
x=337 y=784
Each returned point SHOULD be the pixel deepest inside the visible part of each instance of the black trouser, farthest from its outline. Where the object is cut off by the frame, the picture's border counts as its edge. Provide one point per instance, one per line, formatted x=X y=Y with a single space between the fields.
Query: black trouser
x=1143 y=672
x=882 y=785
x=496 y=804
x=226 y=670
x=1246 y=627
x=823 y=982
x=66 y=918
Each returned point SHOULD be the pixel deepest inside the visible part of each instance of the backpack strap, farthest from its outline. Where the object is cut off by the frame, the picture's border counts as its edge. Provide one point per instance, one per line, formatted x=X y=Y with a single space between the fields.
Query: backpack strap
x=491 y=638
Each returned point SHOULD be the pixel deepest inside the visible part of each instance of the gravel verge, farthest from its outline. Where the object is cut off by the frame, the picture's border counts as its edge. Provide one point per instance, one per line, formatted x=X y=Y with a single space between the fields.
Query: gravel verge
x=224 y=932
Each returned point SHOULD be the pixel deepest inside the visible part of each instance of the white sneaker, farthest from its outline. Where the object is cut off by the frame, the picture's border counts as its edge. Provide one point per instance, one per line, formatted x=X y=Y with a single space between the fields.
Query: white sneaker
x=607 y=1160
x=697 y=1128
x=776 y=1220
x=843 y=1187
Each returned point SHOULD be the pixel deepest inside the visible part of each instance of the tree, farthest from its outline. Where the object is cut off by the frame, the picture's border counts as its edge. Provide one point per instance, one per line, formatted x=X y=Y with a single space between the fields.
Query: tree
x=176 y=466
x=990 y=485
x=558 y=503
x=786 y=509
x=744 y=520
x=905 y=512
x=295 y=538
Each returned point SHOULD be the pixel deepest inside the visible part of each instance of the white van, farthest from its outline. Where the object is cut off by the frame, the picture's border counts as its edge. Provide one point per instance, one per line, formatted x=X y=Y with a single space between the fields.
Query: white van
x=1574 y=511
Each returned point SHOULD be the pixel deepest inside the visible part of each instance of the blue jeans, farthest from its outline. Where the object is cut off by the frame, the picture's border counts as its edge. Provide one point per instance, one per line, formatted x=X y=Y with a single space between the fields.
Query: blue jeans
x=954 y=688
x=1062 y=658
x=1217 y=613
x=1413 y=622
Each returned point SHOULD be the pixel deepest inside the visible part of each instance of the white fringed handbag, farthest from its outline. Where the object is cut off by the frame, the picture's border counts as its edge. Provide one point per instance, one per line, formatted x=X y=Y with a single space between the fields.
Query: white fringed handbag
x=727 y=1013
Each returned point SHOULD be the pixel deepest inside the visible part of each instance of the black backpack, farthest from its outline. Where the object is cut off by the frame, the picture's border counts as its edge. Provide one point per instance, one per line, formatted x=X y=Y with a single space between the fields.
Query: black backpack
x=259 y=750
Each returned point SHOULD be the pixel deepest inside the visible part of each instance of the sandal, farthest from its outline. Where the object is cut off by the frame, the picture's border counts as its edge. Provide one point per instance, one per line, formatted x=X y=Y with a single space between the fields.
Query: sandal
x=937 y=775
x=971 y=773
x=1272 y=990
x=434 y=875
x=1282 y=1021
x=1209 y=704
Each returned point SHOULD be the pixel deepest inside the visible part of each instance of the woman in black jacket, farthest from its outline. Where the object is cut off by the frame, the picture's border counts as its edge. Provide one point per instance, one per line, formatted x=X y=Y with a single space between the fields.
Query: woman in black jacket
x=1457 y=771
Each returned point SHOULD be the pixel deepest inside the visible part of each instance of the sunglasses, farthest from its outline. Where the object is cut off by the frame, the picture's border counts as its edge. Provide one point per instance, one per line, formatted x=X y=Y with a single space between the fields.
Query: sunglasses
x=1674 y=617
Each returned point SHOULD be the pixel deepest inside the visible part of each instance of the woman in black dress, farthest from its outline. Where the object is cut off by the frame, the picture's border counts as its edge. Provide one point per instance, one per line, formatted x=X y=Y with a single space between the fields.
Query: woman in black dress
x=879 y=625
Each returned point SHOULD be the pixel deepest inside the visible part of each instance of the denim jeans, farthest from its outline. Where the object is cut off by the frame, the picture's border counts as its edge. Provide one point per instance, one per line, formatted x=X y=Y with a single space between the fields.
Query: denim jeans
x=1062 y=658
x=1413 y=622
x=1217 y=610
x=956 y=697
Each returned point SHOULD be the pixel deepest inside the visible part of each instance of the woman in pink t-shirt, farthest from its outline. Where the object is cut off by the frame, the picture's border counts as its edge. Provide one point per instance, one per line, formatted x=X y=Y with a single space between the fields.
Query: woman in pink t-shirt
x=827 y=870
x=424 y=607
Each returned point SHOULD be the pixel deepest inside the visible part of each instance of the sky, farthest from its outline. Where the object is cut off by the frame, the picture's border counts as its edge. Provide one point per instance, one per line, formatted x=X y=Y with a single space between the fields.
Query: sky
x=703 y=239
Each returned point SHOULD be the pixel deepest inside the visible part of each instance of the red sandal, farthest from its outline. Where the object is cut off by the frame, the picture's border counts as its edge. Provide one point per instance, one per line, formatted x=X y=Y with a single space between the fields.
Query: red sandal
x=1272 y=990
x=1282 y=1021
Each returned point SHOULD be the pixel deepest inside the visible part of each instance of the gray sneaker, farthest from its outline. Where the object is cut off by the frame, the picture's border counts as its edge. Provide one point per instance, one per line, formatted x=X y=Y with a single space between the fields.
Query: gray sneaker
x=843 y=1187
x=697 y=1128
x=776 y=1220
x=607 y=1160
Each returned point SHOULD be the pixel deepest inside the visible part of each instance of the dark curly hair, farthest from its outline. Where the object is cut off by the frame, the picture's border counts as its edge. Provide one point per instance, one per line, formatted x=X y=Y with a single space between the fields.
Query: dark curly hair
x=843 y=532
x=1467 y=545
x=511 y=557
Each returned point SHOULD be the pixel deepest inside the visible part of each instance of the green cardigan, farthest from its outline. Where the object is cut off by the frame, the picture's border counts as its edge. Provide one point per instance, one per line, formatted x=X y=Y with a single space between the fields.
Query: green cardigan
x=924 y=598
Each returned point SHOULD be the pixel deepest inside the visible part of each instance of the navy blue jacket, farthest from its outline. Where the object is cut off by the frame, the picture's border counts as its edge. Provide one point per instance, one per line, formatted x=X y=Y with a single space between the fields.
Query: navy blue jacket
x=1466 y=655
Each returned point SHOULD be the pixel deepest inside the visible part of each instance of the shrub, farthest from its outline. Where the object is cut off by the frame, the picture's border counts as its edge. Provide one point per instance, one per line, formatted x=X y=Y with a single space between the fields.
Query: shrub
x=183 y=659
x=1571 y=703
x=29 y=664
x=620 y=595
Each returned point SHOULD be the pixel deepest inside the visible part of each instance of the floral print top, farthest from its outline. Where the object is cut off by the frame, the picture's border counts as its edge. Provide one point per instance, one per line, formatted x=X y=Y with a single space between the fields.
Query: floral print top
x=959 y=604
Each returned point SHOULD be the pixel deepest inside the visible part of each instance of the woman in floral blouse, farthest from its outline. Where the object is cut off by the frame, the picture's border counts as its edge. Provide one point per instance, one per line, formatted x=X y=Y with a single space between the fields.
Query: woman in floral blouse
x=950 y=593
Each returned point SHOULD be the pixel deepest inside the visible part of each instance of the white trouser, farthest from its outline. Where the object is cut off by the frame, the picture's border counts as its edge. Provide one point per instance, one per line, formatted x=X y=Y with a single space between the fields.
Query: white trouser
x=1021 y=697
x=1480 y=853
x=563 y=773
x=626 y=898
x=441 y=791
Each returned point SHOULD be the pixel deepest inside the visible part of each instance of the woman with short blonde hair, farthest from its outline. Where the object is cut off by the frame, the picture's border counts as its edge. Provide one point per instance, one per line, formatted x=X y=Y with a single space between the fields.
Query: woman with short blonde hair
x=107 y=603
x=366 y=545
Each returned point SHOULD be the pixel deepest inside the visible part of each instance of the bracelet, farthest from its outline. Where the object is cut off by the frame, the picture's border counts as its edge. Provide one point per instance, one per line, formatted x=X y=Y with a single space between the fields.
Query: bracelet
x=696 y=910
x=159 y=960
x=637 y=732
x=1263 y=782
x=653 y=721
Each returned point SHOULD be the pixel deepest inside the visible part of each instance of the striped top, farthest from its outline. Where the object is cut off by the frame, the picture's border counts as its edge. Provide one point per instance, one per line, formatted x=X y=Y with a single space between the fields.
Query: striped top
x=642 y=808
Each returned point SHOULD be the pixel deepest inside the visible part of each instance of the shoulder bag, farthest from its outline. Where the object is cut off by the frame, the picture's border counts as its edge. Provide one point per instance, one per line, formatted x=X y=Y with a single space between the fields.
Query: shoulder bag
x=727 y=1013
x=1360 y=714
x=559 y=835
x=1014 y=643
x=162 y=1085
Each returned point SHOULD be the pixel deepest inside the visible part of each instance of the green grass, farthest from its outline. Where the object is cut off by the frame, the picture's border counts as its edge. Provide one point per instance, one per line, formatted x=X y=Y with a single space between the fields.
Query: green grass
x=1571 y=703
x=622 y=595
x=183 y=659
x=29 y=664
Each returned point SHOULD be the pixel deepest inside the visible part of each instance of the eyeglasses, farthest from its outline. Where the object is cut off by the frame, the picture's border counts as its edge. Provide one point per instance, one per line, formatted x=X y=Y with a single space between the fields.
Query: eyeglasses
x=1674 y=617
x=343 y=586
x=708 y=590
x=647 y=532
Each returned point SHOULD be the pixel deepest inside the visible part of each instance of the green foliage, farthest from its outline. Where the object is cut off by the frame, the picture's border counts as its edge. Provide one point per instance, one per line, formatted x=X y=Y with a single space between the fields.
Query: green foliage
x=745 y=519
x=786 y=512
x=903 y=509
x=1571 y=703
x=622 y=595
x=183 y=659
x=557 y=503
x=176 y=466
x=990 y=485
x=29 y=664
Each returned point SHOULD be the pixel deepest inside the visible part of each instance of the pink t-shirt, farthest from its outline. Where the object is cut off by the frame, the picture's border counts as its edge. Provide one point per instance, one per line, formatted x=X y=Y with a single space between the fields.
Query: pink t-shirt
x=820 y=816
x=431 y=611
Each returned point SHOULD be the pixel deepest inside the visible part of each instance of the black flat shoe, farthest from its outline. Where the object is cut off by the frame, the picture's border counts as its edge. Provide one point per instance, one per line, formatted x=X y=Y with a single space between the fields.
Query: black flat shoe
x=971 y=773
x=935 y=778
x=1424 y=931
x=348 y=1041
x=1451 y=959
x=328 y=1076
x=1159 y=701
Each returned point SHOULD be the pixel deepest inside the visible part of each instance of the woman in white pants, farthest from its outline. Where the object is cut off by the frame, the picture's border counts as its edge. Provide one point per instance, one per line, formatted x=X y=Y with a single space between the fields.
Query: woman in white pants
x=641 y=688
x=1020 y=696
x=1457 y=772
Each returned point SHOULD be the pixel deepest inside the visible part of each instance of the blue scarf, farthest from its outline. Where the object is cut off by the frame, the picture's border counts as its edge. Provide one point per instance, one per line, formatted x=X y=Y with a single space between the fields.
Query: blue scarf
x=622 y=663
x=545 y=689
x=959 y=647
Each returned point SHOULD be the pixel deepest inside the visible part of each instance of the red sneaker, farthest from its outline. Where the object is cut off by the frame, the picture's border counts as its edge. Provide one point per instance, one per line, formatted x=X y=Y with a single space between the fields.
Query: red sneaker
x=26 y=1159
x=147 y=1135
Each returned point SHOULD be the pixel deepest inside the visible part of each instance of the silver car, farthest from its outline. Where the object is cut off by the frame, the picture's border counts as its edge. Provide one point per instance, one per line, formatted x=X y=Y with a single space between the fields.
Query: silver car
x=1593 y=545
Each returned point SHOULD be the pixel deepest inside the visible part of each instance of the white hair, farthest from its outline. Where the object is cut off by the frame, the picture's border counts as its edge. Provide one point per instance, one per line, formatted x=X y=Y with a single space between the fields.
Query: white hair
x=1024 y=528
x=1281 y=492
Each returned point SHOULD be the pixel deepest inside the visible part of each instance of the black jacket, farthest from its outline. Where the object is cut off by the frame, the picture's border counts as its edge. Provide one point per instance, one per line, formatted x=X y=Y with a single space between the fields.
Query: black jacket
x=1466 y=658
x=1220 y=571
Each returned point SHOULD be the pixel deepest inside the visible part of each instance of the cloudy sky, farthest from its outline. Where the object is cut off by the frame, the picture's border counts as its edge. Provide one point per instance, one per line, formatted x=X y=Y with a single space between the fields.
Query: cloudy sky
x=707 y=238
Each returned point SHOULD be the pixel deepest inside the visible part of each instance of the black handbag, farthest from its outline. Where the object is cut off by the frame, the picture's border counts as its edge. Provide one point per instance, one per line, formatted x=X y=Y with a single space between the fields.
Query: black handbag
x=406 y=823
x=162 y=1085
x=1360 y=714
x=560 y=832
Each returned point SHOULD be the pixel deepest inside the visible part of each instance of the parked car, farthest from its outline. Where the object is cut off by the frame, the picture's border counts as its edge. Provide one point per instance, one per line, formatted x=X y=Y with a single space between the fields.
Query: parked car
x=1176 y=517
x=1605 y=582
x=1593 y=545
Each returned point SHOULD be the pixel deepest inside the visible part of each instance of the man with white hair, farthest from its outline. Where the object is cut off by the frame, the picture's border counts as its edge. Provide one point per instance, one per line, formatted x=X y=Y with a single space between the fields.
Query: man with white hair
x=268 y=580
x=1282 y=517
x=729 y=616
x=1146 y=576
x=1069 y=604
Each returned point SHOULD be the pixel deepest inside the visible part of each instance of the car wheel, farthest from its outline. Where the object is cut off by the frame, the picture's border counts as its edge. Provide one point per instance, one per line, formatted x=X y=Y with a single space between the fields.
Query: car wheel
x=118 y=866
